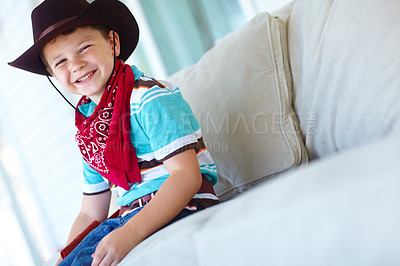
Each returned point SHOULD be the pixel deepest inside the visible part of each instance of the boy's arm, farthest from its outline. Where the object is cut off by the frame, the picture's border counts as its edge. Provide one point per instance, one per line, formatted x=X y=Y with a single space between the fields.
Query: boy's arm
x=93 y=207
x=176 y=192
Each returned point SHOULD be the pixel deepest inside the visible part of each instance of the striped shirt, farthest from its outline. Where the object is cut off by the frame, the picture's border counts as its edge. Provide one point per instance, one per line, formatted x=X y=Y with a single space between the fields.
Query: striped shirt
x=163 y=125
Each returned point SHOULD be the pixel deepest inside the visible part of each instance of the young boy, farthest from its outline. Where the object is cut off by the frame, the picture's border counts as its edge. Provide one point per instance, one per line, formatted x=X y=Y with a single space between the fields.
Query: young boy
x=137 y=136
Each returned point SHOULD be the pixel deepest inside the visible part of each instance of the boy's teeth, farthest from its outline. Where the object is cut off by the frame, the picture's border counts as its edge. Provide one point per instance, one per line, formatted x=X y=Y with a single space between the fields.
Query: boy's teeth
x=85 y=77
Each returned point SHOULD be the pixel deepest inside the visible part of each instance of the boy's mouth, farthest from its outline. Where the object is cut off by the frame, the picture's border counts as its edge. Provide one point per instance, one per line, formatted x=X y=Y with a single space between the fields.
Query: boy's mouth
x=84 y=78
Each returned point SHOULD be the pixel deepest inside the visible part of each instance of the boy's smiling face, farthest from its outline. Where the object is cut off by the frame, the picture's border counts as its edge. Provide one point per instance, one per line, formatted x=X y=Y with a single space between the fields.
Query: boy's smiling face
x=82 y=61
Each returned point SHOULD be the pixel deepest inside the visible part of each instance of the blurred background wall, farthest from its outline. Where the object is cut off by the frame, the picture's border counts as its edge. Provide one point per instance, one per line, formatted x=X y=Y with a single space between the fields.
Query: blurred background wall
x=40 y=166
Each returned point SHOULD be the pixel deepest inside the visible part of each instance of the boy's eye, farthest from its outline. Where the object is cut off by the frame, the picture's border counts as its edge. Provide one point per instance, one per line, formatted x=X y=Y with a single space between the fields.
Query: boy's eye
x=60 y=62
x=84 y=49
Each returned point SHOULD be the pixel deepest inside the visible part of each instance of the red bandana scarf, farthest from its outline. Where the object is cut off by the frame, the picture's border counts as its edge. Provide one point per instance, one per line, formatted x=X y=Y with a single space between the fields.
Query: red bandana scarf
x=104 y=137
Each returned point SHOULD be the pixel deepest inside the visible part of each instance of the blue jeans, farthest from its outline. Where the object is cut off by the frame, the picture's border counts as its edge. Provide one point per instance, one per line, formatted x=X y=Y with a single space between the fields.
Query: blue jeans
x=82 y=254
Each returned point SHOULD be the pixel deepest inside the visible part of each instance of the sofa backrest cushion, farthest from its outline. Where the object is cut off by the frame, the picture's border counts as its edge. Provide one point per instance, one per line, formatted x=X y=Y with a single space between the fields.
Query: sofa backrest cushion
x=240 y=92
x=344 y=57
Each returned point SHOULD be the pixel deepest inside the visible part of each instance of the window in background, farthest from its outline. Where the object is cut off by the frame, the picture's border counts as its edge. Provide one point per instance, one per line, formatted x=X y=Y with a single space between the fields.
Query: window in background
x=13 y=228
x=185 y=29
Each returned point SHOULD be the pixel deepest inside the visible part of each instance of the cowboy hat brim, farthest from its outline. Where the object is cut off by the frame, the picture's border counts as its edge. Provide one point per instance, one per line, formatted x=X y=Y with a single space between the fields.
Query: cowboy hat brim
x=109 y=13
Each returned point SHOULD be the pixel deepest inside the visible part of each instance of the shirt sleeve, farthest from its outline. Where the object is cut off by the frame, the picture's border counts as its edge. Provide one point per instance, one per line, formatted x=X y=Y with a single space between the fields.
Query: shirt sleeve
x=168 y=121
x=94 y=183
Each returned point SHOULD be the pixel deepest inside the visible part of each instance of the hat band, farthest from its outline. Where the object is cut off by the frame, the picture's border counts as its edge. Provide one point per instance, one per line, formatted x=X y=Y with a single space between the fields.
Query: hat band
x=54 y=26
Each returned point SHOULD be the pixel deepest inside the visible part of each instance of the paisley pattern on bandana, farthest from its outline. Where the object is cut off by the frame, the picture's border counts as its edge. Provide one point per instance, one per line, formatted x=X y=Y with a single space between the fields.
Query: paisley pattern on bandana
x=104 y=137
x=92 y=145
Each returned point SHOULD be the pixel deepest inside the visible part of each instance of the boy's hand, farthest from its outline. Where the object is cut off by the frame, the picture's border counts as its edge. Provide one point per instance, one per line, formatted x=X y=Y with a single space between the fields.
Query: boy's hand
x=184 y=181
x=113 y=247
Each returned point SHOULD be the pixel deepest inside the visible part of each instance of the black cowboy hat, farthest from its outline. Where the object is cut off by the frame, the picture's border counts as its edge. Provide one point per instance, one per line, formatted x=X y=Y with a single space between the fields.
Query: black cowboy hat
x=53 y=17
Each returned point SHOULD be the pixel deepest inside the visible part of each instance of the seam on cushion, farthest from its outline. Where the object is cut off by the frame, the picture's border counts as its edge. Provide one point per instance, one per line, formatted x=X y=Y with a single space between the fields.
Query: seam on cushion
x=276 y=54
x=288 y=127
x=288 y=83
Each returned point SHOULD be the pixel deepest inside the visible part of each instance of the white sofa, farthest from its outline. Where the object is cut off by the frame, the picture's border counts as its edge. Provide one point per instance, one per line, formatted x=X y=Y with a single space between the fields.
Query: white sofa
x=318 y=81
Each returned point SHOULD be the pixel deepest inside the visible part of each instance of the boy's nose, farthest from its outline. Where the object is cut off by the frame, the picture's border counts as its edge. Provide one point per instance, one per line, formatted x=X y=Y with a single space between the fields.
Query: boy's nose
x=77 y=64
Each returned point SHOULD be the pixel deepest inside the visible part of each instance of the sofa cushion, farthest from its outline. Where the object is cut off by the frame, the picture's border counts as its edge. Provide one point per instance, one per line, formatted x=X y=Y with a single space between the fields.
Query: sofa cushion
x=240 y=92
x=345 y=66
